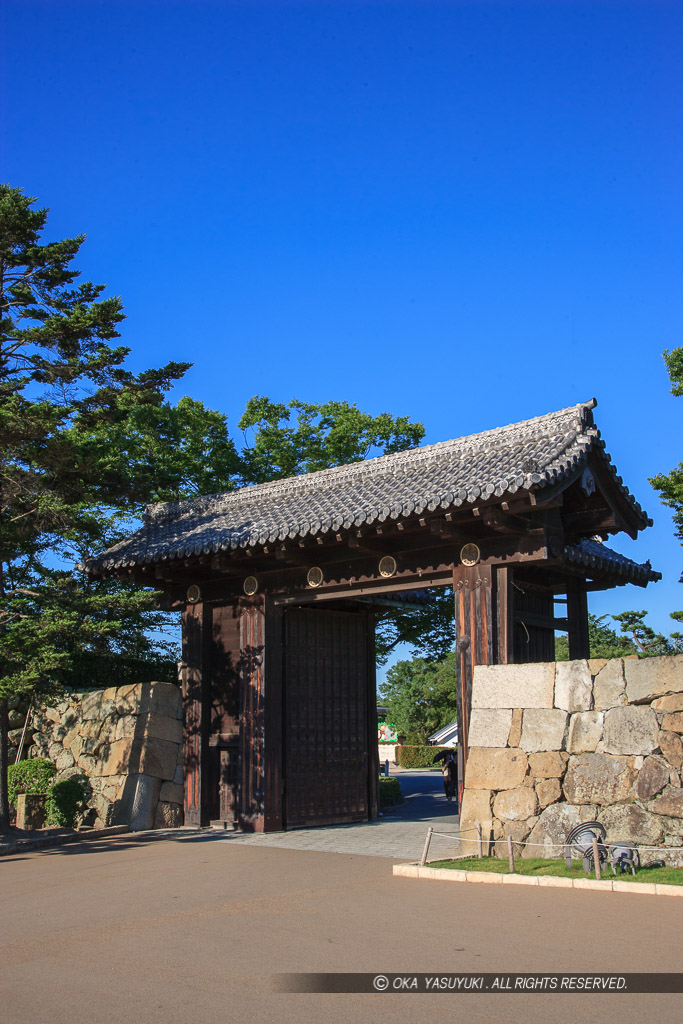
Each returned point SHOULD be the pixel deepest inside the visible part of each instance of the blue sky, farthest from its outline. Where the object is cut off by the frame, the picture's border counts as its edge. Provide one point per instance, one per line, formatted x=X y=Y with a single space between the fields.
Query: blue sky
x=465 y=212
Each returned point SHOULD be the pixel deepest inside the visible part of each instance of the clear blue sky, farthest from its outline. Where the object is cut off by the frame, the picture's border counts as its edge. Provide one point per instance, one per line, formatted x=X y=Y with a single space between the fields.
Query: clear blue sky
x=465 y=212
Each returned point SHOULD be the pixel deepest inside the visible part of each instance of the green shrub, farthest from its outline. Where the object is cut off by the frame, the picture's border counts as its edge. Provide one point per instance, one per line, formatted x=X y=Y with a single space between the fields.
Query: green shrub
x=417 y=756
x=65 y=800
x=32 y=776
x=389 y=791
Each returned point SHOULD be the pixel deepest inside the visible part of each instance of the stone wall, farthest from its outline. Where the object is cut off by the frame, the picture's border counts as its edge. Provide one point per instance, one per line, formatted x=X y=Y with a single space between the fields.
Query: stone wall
x=125 y=743
x=552 y=745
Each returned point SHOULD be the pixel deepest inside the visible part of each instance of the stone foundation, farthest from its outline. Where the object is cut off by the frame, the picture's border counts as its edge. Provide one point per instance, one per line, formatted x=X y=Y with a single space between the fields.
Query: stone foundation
x=125 y=743
x=552 y=745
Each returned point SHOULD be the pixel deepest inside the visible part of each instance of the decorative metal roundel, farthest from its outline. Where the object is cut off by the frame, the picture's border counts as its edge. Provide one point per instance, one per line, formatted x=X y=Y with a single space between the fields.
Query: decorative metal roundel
x=387 y=566
x=469 y=554
x=314 y=576
x=193 y=594
x=250 y=586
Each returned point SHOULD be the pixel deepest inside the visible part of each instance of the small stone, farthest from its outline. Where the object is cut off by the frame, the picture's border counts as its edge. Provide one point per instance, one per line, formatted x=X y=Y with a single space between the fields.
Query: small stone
x=652 y=778
x=596 y=665
x=671 y=747
x=168 y=816
x=543 y=729
x=670 y=802
x=599 y=778
x=496 y=767
x=548 y=791
x=489 y=727
x=672 y=702
x=31 y=811
x=64 y=760
x=609 y=686
x=673 y=722
x=515 y=804
x=585 y=732
x=573 y=686
x=549 y=765
x=631 y=730
x=515 y=728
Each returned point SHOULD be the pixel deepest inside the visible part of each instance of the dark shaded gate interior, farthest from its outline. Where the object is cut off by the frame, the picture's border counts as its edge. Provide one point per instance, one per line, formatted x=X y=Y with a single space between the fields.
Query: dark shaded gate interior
x=326 y=686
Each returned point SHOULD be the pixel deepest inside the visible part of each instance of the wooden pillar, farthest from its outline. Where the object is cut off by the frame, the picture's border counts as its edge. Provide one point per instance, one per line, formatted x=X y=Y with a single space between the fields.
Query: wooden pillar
x=474 y=643
x=373 y=749
x=272 y=684
x=504 y=625
x=577 y=614
x=252 y=717
x=196 y=710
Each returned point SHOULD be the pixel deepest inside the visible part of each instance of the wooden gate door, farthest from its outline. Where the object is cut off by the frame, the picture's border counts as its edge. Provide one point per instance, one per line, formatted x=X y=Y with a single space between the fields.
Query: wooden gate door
x=326 y=717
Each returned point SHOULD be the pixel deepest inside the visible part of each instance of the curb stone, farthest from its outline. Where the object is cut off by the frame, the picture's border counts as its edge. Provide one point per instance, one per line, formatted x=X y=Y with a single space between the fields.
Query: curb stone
x=493 y=878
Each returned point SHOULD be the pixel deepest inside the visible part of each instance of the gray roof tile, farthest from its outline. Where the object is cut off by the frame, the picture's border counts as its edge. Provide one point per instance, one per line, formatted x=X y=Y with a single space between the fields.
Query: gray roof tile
x=534 y=454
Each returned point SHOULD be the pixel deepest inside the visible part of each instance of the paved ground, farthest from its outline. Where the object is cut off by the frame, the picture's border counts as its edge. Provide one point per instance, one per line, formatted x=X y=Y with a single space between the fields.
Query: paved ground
x=400 y=833
x=191 y=928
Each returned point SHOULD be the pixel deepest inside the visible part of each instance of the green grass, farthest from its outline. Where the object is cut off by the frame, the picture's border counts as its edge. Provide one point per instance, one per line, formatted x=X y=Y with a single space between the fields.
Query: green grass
x=558 y=868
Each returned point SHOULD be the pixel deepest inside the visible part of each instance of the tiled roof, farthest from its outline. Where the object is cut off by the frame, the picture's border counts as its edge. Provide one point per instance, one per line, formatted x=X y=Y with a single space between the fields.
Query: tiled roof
x=468 y=471
x=596 y=556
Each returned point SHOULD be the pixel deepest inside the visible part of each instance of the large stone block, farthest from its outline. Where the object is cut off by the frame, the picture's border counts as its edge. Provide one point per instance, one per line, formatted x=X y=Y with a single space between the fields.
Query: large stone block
x=652 y=778
x=550 y=765
x=162 y=727
x=145 y=801
x=514 y=686
x=476 y=807
x=670 y=802
x=543 y=729
x=496 y=767
x=171 y=793
x=599 y=779
x=515 y=804
x=573 y=686
x=116 y=758
x=489 y=727
x=158 y=758
x=548 y=835
x=127 y=698
x=631 y=730
x=548 y=791
x=628 y=821
x=653 y=677
x=31 y=811
x=609 y=686
x=165 y=699
x=671 y=747
x=585 y=732
x=90 y=705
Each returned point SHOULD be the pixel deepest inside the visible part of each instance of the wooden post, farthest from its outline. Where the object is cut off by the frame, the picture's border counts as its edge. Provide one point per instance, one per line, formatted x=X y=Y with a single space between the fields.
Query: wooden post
x=373 y=749
x=577 y=613
x=426 y=846
x=596 y=859
x=511 y=856
x=474 y=643
x=480 y=842
x=197 y=620
x=273 y=718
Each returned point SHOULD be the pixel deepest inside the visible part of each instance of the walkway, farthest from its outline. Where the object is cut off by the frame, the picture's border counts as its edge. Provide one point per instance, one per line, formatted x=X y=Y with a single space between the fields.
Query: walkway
x=400 y=833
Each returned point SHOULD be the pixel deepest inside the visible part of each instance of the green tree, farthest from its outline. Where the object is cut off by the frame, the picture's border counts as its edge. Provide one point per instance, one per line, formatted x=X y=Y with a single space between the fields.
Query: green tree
x=603 y=641
x=63 y=386
x=428 y=627
x=420 y=696
x=644 y=640
x=670 y=485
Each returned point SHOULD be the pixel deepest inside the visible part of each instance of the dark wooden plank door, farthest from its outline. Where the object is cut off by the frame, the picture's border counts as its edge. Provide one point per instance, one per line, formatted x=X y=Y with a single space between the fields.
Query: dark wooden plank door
x=325 y=717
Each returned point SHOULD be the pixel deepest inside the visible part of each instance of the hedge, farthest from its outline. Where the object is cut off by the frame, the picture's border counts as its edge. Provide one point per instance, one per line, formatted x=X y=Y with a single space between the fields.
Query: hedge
x=33 y=776
x=389 y=791
x=414 y=756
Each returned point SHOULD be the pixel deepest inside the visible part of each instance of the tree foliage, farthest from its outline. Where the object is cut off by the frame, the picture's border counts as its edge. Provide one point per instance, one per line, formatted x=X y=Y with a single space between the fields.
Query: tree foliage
x=420 y=696
x=670 y=485
x=603 y=641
